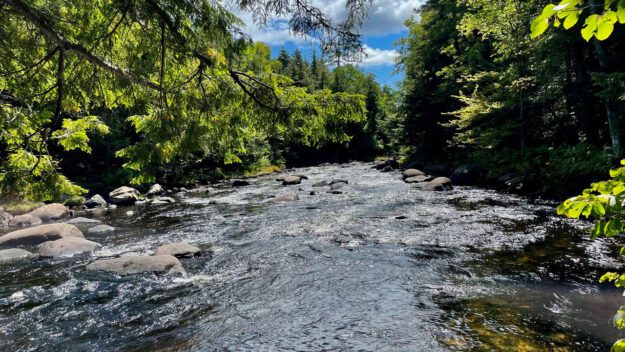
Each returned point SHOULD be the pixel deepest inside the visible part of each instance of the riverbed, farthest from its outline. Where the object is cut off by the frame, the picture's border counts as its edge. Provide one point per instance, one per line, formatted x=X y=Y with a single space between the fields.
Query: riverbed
x=382 y=266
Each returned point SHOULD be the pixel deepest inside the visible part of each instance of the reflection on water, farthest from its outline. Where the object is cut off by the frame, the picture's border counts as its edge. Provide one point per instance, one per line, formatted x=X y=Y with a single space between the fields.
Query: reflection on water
x=382 y=266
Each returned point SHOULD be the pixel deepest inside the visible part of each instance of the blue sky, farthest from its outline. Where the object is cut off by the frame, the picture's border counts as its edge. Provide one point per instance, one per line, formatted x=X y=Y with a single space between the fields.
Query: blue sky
x=380 y=31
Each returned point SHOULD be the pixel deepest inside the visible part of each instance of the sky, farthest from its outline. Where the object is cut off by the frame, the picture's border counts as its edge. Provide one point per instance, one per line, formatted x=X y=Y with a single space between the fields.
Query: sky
x=383 y=27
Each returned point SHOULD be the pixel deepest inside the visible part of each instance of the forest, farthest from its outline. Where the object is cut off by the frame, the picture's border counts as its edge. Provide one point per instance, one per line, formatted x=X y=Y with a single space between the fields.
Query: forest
x=521 y=98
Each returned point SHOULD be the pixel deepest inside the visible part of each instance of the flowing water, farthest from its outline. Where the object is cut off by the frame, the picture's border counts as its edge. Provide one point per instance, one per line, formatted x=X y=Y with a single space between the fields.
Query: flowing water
x=381 y=267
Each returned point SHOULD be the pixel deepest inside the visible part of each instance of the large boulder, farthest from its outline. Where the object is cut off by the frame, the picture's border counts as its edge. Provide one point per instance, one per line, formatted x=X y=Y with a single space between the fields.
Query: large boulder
x=25 y=220
x=39 y=234
x=337 y=185
x=291 y=180
x=158 y=264
x=389 y=165
x=95 y=202
x=438 y=169
x=467 y=175
x=240 y=183
x=412 y=173
x=285 y=197
x=124 y=196
x=52 y=211
x=178 y=250
x=437 y=184
x=14 y=254
x=155 y=190
x=67 y=247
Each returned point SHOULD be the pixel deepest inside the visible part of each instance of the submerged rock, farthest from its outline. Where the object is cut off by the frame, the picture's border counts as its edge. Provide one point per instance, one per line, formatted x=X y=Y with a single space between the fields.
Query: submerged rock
x=54 y=211
x=124 y=196
x=178 y=250
x=25 y=220
x=285 y=197
x=240 y=183
x=337 y=185
x=14 y=254
x=155 y=190
x=321 y=184
x=128 y=265
x=95 y=202
x=101 y=229
x=81 y=220
x=162 y=200
x=67 y=247
x=39 y=234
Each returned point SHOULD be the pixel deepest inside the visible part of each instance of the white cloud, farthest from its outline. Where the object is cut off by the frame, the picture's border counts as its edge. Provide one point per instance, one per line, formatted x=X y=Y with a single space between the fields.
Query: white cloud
x=378 y=57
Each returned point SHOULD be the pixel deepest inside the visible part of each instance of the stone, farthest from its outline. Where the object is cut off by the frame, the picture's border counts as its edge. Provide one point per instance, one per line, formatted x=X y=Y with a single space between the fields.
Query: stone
x=155 y=190
x=100 y=229
x=12 y=255
x=67 y=247
x=95 y=202
x=129 y=265
x=178 y=250
x=337 y=185
x=81 y=220
x=291 y=180
x=5 y=218
x=321 y=184
x=418 y=179
x=25 y=220
x=54 y=211
x=438 y=169
x=161 y=200
x=412 y=173
x=285 y=197
x=124 y=196
x=240 y=183
x=387 y=168
x=467 y=175
x=39 y=234
x=339 y=180
x=437 y=184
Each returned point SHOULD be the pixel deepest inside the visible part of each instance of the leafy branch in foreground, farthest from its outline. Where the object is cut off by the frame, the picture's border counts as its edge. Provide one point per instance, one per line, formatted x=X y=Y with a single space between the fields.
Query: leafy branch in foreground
x=604 y=202
x=599 y=24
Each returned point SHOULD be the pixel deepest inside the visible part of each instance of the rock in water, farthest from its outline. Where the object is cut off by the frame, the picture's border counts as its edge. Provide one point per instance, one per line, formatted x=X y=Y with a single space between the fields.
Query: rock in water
x=81 y=220
x=25 y=220
x=321 y=184
x=52 y=211
x=124 y=196
x=412 y=173
x=158 y=264
x=155 y=190
x=67 y=247
x=5 y=218
x=101 y=229
x=14 y=254
x=36 y=235
x=418 y=179
x=437 y=184
x=178 y=250
x=162 y=200
x=240 y=183
x=95 y=202
x=337 y=185
x=285 y=197
x=291 y=180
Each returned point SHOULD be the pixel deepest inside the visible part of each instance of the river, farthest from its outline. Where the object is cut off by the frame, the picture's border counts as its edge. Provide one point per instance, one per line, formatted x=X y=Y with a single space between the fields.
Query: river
x=380 y=267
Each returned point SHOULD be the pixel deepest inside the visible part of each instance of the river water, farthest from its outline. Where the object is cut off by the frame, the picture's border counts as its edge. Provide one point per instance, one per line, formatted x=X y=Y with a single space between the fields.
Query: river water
x=381 y=267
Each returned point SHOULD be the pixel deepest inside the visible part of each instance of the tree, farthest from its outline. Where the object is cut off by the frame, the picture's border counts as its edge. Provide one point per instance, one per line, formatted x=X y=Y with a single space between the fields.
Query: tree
x=176 y=63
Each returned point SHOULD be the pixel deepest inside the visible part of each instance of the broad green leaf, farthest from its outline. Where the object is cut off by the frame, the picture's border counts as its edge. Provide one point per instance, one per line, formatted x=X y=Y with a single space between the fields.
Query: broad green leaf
x=571 y=20
x=620 y=12
x=604 y=30
x=619 y=346
x=539 y=26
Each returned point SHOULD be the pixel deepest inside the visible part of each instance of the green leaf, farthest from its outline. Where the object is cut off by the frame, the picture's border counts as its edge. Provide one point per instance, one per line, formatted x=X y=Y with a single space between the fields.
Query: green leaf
x=604 y=30
x=619 y=346
x=620 y=12
x=539 y=26
x=572 y=19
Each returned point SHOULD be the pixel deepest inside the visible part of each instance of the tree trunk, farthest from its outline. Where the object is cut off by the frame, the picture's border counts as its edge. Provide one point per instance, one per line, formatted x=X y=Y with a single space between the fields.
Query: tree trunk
x=583 y=96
